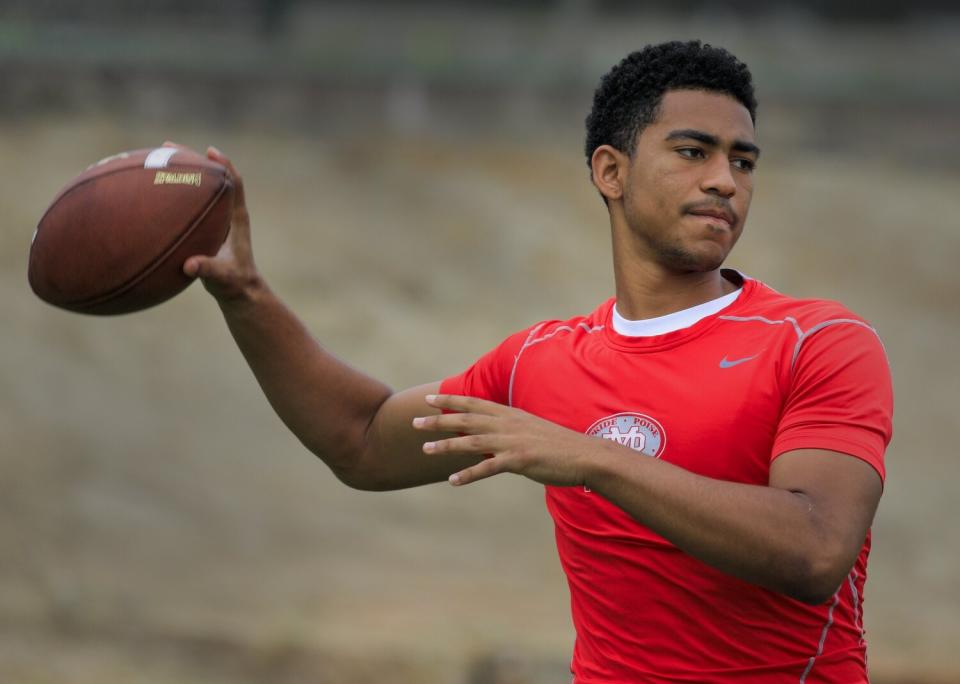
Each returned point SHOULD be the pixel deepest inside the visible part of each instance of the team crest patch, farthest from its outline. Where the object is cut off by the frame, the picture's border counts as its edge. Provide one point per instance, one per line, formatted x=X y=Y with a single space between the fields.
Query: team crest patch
x=635 y=430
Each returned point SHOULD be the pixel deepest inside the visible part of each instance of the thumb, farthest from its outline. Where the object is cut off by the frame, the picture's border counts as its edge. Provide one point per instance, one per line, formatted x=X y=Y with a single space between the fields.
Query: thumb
x=198 y=267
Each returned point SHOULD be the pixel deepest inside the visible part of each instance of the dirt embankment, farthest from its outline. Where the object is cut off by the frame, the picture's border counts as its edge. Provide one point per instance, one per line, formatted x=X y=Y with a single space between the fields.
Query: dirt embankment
x=161 y=525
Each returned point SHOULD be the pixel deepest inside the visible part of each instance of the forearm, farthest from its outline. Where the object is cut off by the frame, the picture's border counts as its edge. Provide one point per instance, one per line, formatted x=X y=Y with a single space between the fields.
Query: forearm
x=764 y=535
x=327 y=404
x=799 y=534
x=356 y=424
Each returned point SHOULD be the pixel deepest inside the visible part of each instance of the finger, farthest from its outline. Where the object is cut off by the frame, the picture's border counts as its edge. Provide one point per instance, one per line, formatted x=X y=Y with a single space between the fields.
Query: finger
x=205 y=268
x=463 y=404
x=466 y=423
x=219 y=157
x=468 y=445
x=191 y=267
x=481 y=471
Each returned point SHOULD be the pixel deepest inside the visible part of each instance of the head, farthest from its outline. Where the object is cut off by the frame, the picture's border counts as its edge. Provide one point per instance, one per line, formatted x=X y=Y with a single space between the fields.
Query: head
x=671 y=148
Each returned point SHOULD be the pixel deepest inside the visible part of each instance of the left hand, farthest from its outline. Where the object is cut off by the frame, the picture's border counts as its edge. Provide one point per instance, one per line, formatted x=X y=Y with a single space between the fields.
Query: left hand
x=514 y=441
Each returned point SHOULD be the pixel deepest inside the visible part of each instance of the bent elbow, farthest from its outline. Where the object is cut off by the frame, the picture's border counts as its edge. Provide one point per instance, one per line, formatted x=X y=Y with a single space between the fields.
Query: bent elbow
x=818 y=578
x=360 y=481
x=344 y=455
x=362 y=476
x=356 y=478
x=815 y=594
x=350 y=478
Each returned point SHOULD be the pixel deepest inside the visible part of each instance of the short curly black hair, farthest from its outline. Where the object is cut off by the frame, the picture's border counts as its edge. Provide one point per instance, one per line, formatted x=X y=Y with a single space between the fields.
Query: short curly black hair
x=629 y=95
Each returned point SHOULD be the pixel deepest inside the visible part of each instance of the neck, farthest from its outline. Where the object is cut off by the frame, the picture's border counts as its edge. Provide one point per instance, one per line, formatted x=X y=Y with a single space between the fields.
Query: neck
x=647 y=289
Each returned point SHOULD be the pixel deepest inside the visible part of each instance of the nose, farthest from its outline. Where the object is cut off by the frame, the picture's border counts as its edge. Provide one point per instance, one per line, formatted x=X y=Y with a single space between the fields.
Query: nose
x=718 y=178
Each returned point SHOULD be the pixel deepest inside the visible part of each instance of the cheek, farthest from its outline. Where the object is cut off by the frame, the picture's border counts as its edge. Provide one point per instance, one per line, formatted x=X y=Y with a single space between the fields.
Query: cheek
x=743 y=197
x=655 y=191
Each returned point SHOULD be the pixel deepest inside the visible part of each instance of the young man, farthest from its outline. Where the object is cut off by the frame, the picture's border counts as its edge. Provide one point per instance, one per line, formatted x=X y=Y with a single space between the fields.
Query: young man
x=712 y=450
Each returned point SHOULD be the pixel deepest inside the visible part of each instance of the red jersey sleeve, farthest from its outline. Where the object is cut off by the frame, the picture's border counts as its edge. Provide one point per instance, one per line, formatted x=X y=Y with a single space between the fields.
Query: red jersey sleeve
x=841 y=395
x=489 y=377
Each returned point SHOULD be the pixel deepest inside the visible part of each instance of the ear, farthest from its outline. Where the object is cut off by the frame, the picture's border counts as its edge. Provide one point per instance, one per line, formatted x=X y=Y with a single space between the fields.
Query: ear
x=608 y=167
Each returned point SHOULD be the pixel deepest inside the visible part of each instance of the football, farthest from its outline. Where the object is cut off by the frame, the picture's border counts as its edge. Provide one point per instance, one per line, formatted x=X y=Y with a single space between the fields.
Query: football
x=115 y=238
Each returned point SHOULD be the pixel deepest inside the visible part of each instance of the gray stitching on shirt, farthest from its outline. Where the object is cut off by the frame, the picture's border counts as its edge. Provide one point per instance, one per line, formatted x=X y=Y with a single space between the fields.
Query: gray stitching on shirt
x=530 y=341
x=516 y=360
x=789 y=319
x=857 y=616
x=820 y=326
x=802 y=335
x=823 y=637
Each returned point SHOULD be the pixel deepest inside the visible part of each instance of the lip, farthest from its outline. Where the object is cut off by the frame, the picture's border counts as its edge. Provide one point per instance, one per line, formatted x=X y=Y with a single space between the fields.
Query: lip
x=716 y=214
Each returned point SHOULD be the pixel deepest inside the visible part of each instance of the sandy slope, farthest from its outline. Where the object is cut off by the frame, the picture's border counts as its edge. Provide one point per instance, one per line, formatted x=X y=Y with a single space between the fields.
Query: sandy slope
x=158 y=519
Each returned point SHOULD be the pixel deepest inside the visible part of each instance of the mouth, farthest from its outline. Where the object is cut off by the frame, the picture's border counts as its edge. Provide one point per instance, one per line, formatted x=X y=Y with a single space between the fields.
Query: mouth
x=713 y=216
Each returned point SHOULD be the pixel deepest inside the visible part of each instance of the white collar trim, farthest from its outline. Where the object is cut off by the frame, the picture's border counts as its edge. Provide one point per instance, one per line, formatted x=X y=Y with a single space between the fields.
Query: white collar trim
x=678 y=320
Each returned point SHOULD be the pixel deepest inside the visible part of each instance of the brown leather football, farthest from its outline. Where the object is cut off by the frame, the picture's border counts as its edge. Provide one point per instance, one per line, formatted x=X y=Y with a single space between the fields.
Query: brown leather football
x=115 y=238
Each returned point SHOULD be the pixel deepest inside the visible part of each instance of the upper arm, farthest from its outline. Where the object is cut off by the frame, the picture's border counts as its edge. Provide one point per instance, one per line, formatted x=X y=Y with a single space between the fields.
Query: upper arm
x=393 y=456
x=842 y=493
x=840 y=397
x=829 y=447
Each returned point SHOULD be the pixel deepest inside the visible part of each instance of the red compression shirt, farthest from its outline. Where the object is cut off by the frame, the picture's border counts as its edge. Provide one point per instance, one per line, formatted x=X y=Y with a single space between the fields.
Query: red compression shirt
x=723 y=398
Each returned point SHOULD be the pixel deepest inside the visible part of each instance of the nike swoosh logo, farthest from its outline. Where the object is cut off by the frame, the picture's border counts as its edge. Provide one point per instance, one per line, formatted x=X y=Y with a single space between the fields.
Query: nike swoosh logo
x=725 y=363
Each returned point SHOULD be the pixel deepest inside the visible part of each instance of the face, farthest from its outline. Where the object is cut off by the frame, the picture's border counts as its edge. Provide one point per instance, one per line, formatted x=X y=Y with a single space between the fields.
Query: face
x=687 y=189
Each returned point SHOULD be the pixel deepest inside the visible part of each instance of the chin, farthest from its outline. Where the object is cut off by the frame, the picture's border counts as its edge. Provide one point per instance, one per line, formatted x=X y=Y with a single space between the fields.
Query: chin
x=694 y=261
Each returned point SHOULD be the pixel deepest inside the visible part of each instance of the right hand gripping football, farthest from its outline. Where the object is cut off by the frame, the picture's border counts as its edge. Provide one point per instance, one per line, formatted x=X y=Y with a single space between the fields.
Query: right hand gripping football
x=231 y=273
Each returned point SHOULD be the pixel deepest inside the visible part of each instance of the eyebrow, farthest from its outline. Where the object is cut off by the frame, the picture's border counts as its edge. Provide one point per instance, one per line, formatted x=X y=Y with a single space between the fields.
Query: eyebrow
x=708 y=139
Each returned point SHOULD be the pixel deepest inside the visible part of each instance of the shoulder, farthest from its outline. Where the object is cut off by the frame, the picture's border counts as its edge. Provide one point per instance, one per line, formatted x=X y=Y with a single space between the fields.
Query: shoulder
x=838 y=392
x=806 y=316
x=491 y=376
x=827 y=343
x=576 y=326
x=559 y=336
x=820 y=332
x=549 y=329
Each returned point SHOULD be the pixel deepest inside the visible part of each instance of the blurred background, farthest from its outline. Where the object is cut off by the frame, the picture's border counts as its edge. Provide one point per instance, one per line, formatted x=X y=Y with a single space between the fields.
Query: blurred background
x=418 y=190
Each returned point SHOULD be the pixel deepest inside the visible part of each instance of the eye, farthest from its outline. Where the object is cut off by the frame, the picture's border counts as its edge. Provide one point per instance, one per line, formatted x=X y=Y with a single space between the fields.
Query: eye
x=744 y=164
x=691 y=152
